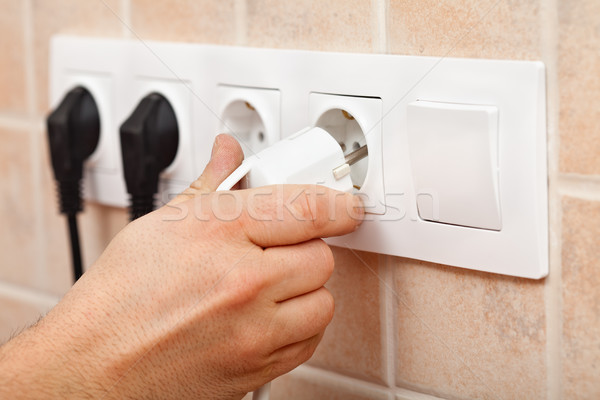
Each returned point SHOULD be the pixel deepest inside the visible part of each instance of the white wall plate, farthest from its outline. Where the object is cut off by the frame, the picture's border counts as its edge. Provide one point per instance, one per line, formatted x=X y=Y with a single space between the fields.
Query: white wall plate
x=251 y=114
x=515 y=90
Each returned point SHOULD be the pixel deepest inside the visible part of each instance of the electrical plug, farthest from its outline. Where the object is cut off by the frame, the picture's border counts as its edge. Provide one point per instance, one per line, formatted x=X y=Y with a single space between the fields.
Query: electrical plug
x=310 y=156
x=73 y=134
x=149 y=141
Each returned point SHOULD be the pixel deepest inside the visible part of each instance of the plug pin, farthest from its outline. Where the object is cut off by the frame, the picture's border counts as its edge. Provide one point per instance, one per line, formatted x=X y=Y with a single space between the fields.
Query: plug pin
x=351 y=159
x=357 y=155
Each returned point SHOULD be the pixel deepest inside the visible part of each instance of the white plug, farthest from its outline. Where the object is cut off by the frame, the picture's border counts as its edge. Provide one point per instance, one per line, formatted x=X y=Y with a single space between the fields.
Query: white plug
x=310 y=156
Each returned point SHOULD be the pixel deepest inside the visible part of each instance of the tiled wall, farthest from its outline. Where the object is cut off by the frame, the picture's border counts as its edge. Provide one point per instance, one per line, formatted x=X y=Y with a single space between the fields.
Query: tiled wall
x=402 y=328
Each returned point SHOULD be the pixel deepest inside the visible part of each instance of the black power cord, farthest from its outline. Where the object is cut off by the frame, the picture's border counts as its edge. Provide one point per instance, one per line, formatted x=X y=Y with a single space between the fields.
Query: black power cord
x=149 y=140
x=73 y=134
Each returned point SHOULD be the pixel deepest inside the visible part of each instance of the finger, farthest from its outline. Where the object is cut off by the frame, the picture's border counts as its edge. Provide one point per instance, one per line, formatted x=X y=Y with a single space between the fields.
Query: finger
x=297 y=269
x=226 y=156
x=301 y=317
x=291 y=356
x=288 y=214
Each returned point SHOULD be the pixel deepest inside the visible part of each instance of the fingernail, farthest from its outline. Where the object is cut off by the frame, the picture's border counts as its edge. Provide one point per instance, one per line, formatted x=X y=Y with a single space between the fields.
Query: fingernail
x=359 y=208
x=215 y=147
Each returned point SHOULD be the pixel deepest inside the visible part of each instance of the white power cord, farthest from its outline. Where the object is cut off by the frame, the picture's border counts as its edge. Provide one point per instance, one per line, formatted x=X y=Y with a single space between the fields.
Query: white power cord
x=263 y=392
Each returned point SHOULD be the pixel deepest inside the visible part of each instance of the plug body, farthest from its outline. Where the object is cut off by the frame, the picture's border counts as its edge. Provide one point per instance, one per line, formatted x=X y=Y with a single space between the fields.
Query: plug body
x=73 y=134
x=149 y=141
x=307 y=157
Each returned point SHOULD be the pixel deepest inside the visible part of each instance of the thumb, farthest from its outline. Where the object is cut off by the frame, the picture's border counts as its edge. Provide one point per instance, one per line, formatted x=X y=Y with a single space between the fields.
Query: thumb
x=226 y=156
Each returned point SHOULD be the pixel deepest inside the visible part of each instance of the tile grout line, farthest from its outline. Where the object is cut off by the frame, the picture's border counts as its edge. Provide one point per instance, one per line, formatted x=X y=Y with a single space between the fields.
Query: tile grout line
x=16 y=122
x=388 y=322
x=379 y=21
x=553 y=301
x=388 y=349
x=334 y=379
x=240 y=10
x=125 y=7
x=586 y=187
x=41 y=264
x=27 y=294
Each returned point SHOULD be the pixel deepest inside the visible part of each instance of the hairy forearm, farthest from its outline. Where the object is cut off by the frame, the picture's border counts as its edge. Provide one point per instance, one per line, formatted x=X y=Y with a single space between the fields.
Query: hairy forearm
x=67 y=354
x=34 y=365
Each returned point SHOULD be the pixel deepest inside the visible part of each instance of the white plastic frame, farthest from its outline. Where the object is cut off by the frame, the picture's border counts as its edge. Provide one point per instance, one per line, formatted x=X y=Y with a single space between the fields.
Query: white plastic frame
x=516 y=88
x=368 y=113
x=267 y=104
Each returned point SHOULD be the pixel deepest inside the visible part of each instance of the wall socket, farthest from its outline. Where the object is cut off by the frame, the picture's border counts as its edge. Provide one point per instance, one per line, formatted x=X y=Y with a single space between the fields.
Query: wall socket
x=262 y=95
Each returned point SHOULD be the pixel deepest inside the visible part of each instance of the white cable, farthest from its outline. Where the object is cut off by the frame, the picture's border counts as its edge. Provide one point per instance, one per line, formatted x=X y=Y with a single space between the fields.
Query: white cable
x=263 y=392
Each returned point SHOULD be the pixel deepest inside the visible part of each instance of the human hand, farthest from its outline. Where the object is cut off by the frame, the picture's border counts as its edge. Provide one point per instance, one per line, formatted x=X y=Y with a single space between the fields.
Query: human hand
x=208 y=297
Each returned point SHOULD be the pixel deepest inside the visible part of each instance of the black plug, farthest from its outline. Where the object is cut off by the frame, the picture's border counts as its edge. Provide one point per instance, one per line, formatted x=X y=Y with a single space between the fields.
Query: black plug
x=73 y=134
x=149 y=140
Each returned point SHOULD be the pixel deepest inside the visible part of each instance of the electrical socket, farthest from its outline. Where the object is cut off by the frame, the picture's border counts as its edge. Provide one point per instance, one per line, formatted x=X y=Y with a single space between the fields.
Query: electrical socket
x=355 y=121
x=311 y=84
x=251 y=115
x=102 y=70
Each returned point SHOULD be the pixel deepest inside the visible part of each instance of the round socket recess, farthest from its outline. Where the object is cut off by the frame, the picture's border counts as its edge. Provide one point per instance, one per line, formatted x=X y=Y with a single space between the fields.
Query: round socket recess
x=346 y=130
x=241 y=119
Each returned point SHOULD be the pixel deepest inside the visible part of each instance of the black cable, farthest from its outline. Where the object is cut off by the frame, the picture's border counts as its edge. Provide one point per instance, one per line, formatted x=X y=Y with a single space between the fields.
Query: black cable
x=73 y=134
x=140 y=205
x=75 y=248
x=69 y=197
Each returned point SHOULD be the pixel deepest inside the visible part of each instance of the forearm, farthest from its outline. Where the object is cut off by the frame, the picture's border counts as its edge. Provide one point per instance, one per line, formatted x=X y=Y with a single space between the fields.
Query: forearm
x=68 y=354
x=36 y=365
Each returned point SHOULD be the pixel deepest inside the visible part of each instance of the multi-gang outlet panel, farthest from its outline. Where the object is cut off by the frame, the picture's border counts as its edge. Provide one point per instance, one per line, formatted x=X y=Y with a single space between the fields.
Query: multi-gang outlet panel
x=456 y=172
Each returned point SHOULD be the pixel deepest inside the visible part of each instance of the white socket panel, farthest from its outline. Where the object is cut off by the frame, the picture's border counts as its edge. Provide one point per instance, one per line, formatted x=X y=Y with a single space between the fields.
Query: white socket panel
x=256 y=122
x=292 y=89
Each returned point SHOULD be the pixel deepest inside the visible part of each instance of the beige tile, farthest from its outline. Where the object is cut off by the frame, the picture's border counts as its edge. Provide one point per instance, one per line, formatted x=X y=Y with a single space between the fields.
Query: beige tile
x=86 y=18
x=12 y=63
x=293 y=387
x=185 y=20
x=581 y=298
x=579 y=85
x=335 y=25
x=16 y=314
x=352 y=343
x=465 y=28
x=469 y=334
x=99 y=225
x=17 y=230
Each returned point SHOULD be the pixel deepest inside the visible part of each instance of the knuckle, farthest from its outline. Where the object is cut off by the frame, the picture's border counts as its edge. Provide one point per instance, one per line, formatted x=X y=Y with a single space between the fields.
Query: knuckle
x=304 y=208
x=308 y=209
x=327 y=306
x=307 y=351
x=328 y=262
x=249 y=351
x=246 y=286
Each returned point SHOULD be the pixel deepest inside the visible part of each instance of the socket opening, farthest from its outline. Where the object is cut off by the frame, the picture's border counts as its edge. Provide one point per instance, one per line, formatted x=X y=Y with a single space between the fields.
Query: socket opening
x=241 y=119
x=349 y=134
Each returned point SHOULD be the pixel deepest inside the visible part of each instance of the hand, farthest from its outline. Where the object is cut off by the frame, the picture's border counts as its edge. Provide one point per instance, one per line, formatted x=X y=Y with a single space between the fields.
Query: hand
x=210 y=296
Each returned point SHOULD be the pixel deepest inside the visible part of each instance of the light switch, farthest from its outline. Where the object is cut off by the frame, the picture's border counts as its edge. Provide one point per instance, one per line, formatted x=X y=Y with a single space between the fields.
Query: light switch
x=454 y=159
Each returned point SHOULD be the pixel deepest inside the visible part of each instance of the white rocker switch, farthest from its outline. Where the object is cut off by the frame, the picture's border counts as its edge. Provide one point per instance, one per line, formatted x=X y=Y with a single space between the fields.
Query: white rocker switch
x=454 y=159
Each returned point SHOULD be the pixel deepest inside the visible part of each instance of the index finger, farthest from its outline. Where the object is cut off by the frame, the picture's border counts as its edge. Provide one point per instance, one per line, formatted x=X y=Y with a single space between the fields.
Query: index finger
x=288 y=214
